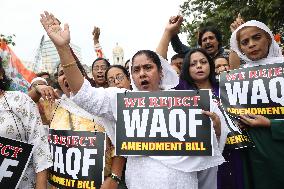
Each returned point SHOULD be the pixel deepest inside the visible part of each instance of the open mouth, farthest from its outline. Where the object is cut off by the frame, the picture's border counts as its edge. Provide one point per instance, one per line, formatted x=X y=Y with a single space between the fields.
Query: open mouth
x=100 y=77
x=66 y=84
x=209 y=47
x=144 y=84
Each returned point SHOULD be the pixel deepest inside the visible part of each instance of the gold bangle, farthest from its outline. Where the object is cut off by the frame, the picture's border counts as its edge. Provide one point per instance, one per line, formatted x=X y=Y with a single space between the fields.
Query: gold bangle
x=69 y=65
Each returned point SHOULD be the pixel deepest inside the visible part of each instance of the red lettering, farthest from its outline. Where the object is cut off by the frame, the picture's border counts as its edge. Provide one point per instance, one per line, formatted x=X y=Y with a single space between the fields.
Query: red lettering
x=277 y=71
x=3 y=150
x=92 y=141
x=177 y=102
x=253 y=74
x=141 y=102
x=81 y=141
x=75 y=140
x=195 y=100
x=184 y=101
x=130 y=102
x=163 y=101
x=55 y=139
x=16 y=151
x=153 y=102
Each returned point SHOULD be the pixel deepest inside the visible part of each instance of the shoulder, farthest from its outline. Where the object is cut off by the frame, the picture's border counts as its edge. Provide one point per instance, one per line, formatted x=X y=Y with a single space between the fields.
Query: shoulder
x=18 y=98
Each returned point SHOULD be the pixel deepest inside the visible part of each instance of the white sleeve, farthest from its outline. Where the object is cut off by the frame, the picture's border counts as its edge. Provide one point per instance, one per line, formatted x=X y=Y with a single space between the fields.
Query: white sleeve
x=98 y=101
x=224 y=127
x=36 y=132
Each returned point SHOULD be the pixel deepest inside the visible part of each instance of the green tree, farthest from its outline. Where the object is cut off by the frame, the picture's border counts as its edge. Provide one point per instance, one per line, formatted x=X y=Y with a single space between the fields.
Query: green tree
x=221 y=13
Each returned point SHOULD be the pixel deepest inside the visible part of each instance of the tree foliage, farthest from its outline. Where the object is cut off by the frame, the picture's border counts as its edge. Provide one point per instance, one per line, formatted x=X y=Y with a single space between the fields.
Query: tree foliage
x=221 y=13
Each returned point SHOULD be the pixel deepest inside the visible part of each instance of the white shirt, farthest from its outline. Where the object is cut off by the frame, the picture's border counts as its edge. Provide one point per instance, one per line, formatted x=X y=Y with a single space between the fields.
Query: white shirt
x=151 y=172
x=23 y=112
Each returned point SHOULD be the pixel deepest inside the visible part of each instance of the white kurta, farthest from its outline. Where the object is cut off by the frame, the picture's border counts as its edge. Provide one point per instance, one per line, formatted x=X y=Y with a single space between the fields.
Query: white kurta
x=24 y=112
x=153 y=172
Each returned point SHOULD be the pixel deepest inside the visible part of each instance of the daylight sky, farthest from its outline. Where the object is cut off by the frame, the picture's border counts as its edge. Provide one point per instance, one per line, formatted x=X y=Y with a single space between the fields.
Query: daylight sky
x=133 y=24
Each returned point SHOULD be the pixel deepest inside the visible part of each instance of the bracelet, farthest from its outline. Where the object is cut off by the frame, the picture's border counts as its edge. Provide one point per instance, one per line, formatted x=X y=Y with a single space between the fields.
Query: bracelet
x=116 y=178
x=69 y=65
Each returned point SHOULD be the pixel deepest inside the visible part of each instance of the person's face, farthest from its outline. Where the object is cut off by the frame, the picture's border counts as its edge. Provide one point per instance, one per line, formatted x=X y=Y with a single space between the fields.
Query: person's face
x=199 y=68
x=176 y=69
x=99 y=70
x=116 y=78
x=145 y=74
x=254 y=43
x=62 y=81
x=209 y=43
x=221 y=64
x=177 y=62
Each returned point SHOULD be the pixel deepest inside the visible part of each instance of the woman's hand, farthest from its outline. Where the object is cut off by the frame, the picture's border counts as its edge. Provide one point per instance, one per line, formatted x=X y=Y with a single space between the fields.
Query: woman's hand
x=109 y=183
x=239 y=21
x=47 y=92
x=255 y=120
x=60 y=37
x=96 y=33
x=216 y=122
x=174 y=25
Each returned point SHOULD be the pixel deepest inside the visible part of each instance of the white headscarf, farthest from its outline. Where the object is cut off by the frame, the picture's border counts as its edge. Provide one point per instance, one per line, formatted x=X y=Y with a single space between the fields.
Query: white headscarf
x=274 y=55
x=170 y=78
x=38 y=79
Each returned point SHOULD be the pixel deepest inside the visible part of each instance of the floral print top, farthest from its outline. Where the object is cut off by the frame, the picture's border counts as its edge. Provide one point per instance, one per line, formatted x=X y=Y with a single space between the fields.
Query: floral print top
x=20 y=120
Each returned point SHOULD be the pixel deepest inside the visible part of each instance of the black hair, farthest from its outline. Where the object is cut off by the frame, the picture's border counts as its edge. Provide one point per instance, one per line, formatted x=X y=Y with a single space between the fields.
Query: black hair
x=127 y=62
x=42 y=73
x=151 y=55
x=119 y=67
x=177 y=56
x=212 y=29
x=185 y=68
x=5 y=82
x=106 y=61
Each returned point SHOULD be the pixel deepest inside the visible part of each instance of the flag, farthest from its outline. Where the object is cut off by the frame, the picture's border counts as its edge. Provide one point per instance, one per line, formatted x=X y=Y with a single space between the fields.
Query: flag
x=14 y=69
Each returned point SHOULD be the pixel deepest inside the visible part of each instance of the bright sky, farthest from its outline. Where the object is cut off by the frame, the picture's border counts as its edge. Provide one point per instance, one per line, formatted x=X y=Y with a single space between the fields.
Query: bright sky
x=133 y=24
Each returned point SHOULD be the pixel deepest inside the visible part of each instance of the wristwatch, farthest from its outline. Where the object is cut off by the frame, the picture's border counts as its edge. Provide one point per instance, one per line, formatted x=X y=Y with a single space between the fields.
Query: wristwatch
x=116 y=178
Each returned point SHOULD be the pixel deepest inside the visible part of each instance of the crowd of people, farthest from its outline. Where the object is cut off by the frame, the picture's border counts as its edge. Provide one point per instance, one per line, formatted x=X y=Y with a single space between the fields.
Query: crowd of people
x=73 y=101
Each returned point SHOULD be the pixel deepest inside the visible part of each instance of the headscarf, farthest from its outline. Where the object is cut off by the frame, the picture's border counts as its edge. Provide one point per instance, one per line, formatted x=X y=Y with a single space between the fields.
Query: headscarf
x=169 y=80
x=274 y=55
x=38 y=79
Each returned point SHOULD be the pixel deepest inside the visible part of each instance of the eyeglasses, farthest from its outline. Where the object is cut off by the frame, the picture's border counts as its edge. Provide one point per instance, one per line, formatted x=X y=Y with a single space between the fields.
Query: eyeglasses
x=102 y=67
x=118 y=77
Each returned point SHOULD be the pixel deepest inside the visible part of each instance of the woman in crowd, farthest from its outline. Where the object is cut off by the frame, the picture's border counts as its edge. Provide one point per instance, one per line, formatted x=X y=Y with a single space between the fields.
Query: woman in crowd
x=148 y=72
x=99 y=68
x=20 y=120
x=254 y=43
x=65 y=110
x=198 y=72
x=118 y=76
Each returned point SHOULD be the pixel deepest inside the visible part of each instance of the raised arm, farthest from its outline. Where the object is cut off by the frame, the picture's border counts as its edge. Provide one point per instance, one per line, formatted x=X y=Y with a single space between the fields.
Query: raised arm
x=171 y=29
x=96 y=36
x=61 y=39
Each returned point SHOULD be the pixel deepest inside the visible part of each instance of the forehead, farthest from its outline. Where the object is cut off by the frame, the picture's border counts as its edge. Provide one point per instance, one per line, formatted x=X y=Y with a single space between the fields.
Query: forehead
x=114 y=71
x=197 y=56
x=247 y=32
x=100 y=62
x=208 y=34
x=141 y=60
x=221 y=61
x=178 y=60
